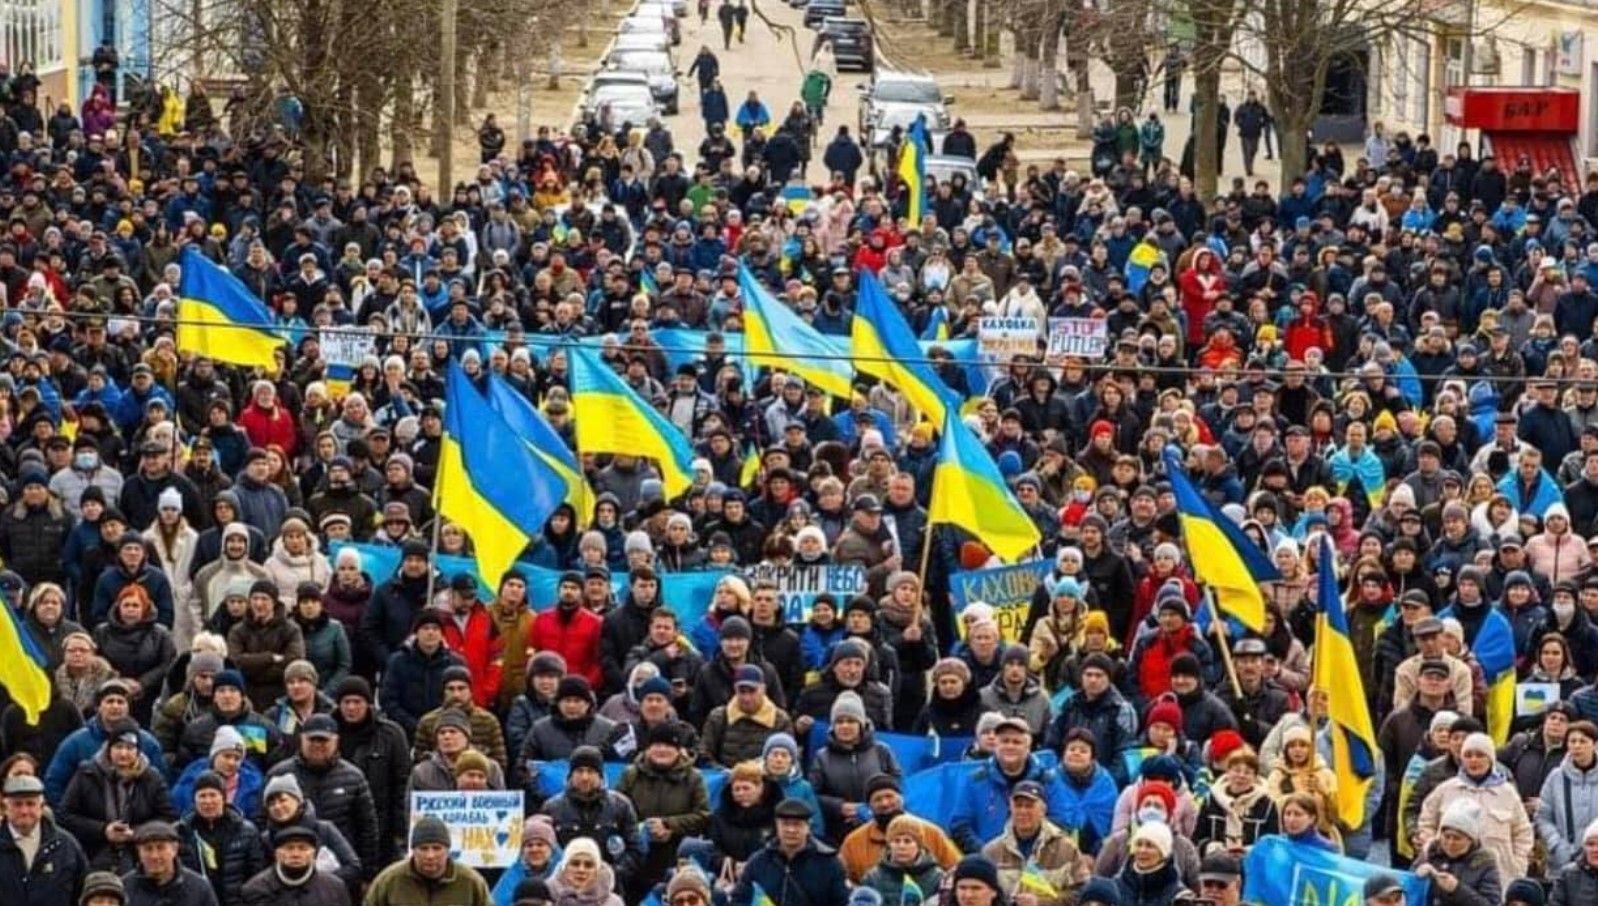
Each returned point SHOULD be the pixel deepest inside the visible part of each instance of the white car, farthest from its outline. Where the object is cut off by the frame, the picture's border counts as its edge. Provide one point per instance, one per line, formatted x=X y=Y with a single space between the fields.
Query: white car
x=678 y=8
x=625 y=102
x=649 y=21
x=641 y=41
x=657 y=68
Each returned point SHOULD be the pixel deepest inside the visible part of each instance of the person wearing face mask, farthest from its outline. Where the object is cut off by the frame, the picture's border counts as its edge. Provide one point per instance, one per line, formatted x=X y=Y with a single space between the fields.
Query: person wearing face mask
x=88 y=470
x=863 y=848
x=1576 y=626
x=1156 y=804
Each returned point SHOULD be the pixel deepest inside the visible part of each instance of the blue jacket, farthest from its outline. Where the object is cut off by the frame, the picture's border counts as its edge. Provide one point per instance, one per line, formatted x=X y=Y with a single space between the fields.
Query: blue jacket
x=983 y=806
x=81 y=746
x=1090 y=806
x=115 y=578
x=130 y=407
x=504 y=892
x=247 y=799
x=814 y=877
x=1543 y=496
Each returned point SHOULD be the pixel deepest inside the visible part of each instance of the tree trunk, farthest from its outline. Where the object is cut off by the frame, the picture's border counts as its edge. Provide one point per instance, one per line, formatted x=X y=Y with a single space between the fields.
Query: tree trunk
x=979 y=27
x=403 y=127
x=1049 y=57
x=943 y=16
x=960 y=24
x=1034 y=71
x=556 y=64
x=1293 y=142
x=481 y=77
x=1206 y=98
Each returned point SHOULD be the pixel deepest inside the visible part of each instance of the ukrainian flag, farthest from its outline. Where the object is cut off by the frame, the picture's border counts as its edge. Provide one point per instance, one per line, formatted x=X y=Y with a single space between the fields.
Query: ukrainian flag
x=749 y=472
x=611 y=418
x=1033 y=879
x=968 y=491
x=774 y=335
x=937 y=329
x=1337 y=674
x=912 y=170
x=885 y=347
x=489 y=482
x=219 y=317
x=1222 y=556
x=1495 y=651
x=541 y=438
x=648 y=283
x=1142 y=259
x=22 y=667
x=759 y=897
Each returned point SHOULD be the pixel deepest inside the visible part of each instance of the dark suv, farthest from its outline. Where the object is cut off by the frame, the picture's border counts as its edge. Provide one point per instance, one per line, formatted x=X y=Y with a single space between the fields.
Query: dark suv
x=819 y=11
x=851 y=42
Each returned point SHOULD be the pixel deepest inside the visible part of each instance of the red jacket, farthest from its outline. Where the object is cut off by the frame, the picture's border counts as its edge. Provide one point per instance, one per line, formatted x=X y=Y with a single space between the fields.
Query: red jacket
x=480 y=645
x=1149 y=588
x=575 y=638
x=1154 y=667
x=1200 y=285
x=275 y=427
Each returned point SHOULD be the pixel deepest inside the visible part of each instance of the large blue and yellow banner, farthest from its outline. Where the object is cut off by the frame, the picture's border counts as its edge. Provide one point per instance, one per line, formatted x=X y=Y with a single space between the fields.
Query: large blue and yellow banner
x=1007 y=589
x=1277 y=872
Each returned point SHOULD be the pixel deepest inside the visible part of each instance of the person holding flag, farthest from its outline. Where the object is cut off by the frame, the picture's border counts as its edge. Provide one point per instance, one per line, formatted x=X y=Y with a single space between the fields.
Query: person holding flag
x=1038 y=861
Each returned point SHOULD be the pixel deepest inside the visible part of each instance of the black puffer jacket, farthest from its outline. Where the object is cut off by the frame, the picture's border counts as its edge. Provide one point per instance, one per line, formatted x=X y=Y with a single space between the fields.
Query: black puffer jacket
x=1477 y=872
x=555 y=738
x=32 y=538
x=413 y=683
x=332 y=845
x=606 y=817
x=98 y=796
x=342 y=796
x=740 y=832
x=839 y=774
x=186 y=889
x=378 y=749
x=236 y=845
x=139 y=651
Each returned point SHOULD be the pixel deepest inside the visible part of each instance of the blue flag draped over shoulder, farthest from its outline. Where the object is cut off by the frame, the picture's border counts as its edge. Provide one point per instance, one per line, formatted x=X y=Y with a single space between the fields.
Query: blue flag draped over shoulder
x=1278 y=872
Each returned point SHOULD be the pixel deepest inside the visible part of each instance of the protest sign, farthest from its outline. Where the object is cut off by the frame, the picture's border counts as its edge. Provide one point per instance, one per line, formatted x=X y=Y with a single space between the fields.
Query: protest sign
x=1534 y=698
x=1002 y=339
x=1281 y=873
x=347 y=346
x=1085 y=337
x=798 y=586
x=1007 y=589
x=485 y=826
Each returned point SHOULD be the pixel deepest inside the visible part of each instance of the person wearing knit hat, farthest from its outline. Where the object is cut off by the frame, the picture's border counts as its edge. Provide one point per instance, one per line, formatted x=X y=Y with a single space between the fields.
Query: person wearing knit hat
x=282 y=785
x=469 y=763
x=976 y=882
x=583 y=876
x=1099 y=892
x=1150 y=847
x=688 y=882
x=1509 y=833
x=1223 y=743
x=1526 y=892
x=848 y=706
x=1165 y=712
x=1015 y=692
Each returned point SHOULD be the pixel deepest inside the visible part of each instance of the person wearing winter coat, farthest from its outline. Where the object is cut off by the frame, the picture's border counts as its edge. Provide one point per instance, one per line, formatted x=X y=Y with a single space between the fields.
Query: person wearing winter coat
x=111 y=794
x=1150 y=877
x=904 y=861
x=982 y=802
x=264 y=643
x=539 y=857
x=954 y=706
x=1239 y=809
x=33 y=529
x=483 y=726
x=53 y=873
x=160 y=879
x=572 y=725
x=335 y=786
x=293 y=877
x=1506 y=831
x=741 y=822
x=413 y=682
x=81 y=671
x=286 y=806
x=670 y=798
x=585 y=808
x=737 y=731
x=537 y=699
x=379 y=750
x=573 y=631
x=174 y=542
x=1577 y=883
x=295 y=561
x=793 y=868
x=582 y=878
x=848 y=765
x=241 y=779
x=1462 y=872
x=1302 y=770
x=229 y=708
x=111 y=706
x=1016 y=693
x=137 y=646
x=231 y=572
x=217 y=842
x=327 y=646
x=389 y=618
x=1030 y=839
x=1568 y=801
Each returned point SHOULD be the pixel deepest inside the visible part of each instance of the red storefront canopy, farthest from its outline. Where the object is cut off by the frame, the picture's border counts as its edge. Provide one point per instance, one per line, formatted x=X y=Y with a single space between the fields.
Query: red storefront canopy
x=1536 y=123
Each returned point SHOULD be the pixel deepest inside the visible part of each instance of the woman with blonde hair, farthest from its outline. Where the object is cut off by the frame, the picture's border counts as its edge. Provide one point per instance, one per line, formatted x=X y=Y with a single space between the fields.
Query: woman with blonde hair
x=1301 y=770
x=1056 y=637
x=82 y=670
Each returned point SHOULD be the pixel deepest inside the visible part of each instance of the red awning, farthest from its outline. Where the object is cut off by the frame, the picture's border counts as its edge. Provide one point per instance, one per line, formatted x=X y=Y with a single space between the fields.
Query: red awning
x=1546 y=149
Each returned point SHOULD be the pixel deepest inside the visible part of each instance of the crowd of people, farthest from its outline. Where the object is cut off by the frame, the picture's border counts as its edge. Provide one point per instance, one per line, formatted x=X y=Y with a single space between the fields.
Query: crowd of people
x=1396 y=353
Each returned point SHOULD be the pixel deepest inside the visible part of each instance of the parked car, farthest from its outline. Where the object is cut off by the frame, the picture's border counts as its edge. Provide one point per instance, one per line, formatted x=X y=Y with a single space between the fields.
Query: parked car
x=626 y=101
x=816 y=11
x=651 y=20
x=641 y=41
x=851 y=42
x=896 y=98
x=678 y=8
x=659 y=72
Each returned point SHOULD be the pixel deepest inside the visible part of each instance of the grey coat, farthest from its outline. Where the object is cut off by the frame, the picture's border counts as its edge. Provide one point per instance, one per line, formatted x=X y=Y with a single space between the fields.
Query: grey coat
x=1567 y=804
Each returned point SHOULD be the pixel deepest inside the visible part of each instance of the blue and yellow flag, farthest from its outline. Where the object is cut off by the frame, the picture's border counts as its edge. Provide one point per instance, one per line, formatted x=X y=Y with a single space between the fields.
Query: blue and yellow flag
x=968 y=491
x=759 y=897
x=1495 y=651
x=1142 y=259
x=22 y=666
x=937 y=328
x=489 y=482
x=1035 y=881
x=775 y=336
x=647 y=283
x=219 y=317
x=912 y=170
x=1280 y=872
x=1221 y=555
x=541 y=437
x=611 y=418
x=885 y=347
x=1337 y=674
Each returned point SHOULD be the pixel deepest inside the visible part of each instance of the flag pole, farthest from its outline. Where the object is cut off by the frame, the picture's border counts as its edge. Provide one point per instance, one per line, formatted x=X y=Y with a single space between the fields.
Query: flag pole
x=438 y=523
x=1219 y=628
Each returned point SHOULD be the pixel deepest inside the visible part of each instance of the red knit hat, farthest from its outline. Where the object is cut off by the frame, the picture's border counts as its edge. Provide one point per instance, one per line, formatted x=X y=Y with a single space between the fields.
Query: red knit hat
x=1224 y=743
x=1165 y=711
x=1159 y=789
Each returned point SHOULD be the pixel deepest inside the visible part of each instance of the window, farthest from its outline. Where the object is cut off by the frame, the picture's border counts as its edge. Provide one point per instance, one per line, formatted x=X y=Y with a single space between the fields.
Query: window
x=30 y=32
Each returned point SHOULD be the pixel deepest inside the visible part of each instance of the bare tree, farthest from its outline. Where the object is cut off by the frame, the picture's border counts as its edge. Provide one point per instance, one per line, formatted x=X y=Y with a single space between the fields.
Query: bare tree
x=1215 y=24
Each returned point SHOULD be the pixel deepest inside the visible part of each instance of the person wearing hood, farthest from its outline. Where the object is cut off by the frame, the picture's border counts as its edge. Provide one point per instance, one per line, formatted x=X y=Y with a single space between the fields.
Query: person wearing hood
x=229 y=569
x=1462 y=872
x=286 y=806
x=216 y=840
x=241 y=780
x=1558 y=553
x=582 y=877
x=556 y=545
x=1568 y=802
x=137 y=646
x=1506 y=831
x=224 y=512
x=540 y=855
x=265 y=643
x=111 y=794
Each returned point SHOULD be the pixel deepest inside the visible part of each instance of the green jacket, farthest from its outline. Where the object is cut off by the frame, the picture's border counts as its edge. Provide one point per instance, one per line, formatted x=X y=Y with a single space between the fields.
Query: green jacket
x=817 y=86
x=400 y=885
